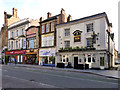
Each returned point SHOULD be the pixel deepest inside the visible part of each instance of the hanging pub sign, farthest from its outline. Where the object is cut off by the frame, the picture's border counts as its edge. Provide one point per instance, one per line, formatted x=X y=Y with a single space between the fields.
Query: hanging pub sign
x=77 y=36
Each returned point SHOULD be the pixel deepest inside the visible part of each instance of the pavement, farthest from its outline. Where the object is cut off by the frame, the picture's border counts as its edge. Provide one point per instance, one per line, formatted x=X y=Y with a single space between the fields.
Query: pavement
x=106 y=73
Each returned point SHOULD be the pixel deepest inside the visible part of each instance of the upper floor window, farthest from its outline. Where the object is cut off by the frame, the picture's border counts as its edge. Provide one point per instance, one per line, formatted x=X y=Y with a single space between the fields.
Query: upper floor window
x=12 y=34
x=67 y=44
x=16 y=44
x=89 y=27
x=42 y=28
x=17 y=33
x=12 y=45
x=67 y=32
x=47 y=27
x=89 y=42
x=22 y=31
x=19 y=42
x=52 y=26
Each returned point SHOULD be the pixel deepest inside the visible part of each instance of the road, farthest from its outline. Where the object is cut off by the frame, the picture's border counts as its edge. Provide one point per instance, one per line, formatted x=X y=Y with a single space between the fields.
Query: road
x=22 y=77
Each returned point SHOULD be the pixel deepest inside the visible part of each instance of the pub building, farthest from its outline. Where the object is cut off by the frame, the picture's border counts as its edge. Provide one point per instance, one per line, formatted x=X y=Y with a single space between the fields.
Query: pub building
x=47 y=50
x=32 y=45
x=85 y=43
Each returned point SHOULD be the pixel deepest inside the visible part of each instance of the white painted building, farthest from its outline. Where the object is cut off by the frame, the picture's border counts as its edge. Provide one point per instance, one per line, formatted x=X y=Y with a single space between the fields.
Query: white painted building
x=77 y=37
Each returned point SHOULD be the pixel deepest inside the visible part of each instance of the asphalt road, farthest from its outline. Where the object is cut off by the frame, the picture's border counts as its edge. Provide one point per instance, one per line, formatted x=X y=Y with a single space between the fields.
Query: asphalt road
x=22 y=77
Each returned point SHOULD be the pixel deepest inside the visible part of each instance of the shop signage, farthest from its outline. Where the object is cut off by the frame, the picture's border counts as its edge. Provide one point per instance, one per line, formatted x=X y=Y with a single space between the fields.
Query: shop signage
x=48 y=52
x=77 y=36
x=15 y=52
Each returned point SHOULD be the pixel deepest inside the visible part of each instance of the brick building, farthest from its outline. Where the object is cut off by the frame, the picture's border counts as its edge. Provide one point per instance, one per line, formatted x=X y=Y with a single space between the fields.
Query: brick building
x=47 y=36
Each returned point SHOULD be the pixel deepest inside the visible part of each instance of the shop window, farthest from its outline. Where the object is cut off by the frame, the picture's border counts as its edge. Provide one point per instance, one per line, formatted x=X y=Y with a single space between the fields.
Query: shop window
x=89 y=27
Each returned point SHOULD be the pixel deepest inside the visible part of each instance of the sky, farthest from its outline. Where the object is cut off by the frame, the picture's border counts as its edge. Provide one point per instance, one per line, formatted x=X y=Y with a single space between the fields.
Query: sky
x=34 y=9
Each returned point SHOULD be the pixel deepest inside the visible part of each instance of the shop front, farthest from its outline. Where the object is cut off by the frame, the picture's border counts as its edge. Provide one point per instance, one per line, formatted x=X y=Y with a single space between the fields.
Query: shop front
x=32 y=56
x=15 y=56
x=47 y=57
x=95 y=59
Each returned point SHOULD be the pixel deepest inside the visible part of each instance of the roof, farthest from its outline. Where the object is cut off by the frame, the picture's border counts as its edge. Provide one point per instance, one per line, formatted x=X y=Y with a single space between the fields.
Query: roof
x=31 y=27
x=51 y=18
x=88 y=17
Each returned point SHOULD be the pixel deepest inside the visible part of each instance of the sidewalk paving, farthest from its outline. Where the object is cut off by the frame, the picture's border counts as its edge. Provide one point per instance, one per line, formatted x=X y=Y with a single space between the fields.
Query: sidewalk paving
x=106 y=73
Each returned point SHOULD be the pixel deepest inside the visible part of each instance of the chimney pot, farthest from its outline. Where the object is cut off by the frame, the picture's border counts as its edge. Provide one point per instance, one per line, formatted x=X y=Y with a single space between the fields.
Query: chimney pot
x=48 y=15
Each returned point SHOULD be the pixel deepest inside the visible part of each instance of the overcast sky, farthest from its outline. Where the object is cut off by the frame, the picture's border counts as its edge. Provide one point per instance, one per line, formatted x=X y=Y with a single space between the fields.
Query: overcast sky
x=77 y=8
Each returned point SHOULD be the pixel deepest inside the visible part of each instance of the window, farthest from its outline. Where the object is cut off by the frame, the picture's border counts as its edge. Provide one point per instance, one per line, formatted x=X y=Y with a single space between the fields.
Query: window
x=79 y=60
x=12 y=45
x=22 y=31
x=42 y=28
x=67 y=59
x=19 y=43
x=47 y=40
x=22 y=43
x=31 y=43
x=16 y=44
x=47 y=27
x=89 y=58
x=67 y=44
x=17 y=33
x=12 y=34
x=93 y=59
x=63 y=60
x=67 y=32
x=52 y=26
x=89 y=27
x=84 y=59
x=89 y=42
x=101 y=61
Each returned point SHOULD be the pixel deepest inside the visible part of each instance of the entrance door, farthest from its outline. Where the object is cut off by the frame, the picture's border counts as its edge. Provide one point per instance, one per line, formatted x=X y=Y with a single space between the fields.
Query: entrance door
x=75 y=62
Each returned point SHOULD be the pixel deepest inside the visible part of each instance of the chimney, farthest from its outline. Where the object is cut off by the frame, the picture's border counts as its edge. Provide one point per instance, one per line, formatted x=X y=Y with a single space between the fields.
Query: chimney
x=5 y=18
x=62 y=11
x=69 y=18
x=15 y=12
x=41 y=19
x=48 y=15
